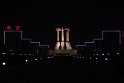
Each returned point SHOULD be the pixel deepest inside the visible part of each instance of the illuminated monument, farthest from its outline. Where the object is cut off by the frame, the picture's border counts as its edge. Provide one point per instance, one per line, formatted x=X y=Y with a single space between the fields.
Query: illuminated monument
x=63 y=46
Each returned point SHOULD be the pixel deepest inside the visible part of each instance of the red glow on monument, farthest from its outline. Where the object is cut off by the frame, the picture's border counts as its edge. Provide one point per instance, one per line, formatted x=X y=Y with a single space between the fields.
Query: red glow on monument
x=18 y=28
x=8 y=28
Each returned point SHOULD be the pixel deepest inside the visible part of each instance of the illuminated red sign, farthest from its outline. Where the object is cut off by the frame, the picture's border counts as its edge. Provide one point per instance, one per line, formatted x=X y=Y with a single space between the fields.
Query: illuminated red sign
x=8 y=28
x=18 y=28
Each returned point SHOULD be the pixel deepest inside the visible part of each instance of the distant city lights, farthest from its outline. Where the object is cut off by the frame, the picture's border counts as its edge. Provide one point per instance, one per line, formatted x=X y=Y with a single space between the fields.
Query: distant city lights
x=14 y=45
x=3 y=53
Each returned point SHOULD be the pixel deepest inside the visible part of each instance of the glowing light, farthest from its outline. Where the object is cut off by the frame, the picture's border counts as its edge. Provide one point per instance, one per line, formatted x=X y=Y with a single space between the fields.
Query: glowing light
x=35 y=59
x=117 y=53
x=62 y=45
x=49 y=57
x=106 y=59
x=8 y=28
x=97 y=54
x=4 y=63
x=3 y=53
x=90 y=58
x=18 y=28
x=103 y=54
x=26 y=60
x=96 y=58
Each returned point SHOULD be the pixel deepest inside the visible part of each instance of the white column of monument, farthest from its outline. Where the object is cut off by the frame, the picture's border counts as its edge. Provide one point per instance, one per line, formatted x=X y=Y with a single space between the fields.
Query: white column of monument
x=68 y=45
x=62 y=42
x=58 y=41
x=62 y=34
x=67 y=34
x=57 y=34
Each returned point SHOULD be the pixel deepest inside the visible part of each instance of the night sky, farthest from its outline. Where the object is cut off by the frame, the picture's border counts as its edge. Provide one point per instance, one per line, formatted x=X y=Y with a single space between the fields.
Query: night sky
x=85 y=18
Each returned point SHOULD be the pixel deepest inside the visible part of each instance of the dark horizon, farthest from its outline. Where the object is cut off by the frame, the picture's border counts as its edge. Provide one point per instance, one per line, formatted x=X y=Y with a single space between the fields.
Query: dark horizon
x=85 y=19
x=26 y=61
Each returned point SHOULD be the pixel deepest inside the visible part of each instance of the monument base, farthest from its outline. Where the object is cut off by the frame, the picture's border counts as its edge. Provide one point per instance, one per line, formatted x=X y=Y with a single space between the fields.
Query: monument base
x=63 y=52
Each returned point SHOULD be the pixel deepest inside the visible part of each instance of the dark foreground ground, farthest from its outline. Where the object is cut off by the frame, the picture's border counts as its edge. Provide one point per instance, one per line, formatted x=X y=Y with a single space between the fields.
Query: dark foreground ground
x=63 y=70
